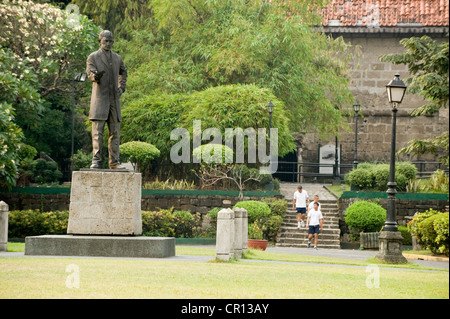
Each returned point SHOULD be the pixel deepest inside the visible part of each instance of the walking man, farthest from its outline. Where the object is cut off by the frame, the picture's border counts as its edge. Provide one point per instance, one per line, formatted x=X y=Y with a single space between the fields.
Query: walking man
x=314 y=224
x=108 y=74
x=300 y=202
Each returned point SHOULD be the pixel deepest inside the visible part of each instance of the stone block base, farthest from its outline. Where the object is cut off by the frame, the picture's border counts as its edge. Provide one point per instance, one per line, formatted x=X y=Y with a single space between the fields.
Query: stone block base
x=391 y=248
x=105 y=202
x=100 y=246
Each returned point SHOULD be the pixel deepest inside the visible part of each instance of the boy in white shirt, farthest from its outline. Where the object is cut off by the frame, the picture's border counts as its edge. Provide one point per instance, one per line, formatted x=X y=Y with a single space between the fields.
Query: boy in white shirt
x=300 y=202
x=314 y=224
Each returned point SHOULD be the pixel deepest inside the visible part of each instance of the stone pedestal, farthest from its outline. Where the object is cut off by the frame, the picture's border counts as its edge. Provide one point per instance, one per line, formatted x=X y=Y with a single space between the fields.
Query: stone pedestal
x=4 y=208
x=238 y=233
x=391 y=247
x=105 y=202
x=232 y=233
x=100 y=246
x=225 y=234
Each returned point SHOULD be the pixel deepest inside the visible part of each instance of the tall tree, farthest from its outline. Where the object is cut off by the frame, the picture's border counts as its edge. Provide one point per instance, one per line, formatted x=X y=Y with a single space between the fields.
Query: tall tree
x=195 y=44
x=41 y=49
x=428 y=63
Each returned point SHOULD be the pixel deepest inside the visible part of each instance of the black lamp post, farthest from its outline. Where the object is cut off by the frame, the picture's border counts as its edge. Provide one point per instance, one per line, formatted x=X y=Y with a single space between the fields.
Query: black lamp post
x=356 y=108
x=390 y=238
x=336 y=175
x=79 y=77
x=270 y=106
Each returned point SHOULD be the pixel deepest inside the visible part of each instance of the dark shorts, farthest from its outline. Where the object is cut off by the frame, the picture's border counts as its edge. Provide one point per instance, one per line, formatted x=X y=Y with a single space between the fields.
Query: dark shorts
x=314 y=229
x=301 y=210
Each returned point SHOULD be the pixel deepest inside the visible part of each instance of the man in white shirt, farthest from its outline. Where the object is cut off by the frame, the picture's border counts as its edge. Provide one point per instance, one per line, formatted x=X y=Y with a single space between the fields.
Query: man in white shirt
x=300 y=202
x=316 y=200
x=314 y=223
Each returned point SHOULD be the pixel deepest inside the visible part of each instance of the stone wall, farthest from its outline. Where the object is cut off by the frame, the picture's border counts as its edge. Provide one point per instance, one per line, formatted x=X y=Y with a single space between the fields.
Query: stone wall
x=193 y=203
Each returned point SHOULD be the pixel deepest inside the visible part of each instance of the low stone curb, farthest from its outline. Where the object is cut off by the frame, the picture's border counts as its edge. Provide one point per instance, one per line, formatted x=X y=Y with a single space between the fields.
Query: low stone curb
x=426 y=257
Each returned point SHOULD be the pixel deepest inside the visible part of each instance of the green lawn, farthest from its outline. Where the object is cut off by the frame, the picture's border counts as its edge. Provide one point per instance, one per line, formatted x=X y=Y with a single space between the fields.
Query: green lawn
x=24 y=277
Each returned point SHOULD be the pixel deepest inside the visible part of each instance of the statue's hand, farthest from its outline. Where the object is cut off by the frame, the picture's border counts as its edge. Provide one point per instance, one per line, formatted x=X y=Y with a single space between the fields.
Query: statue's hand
x=98 y=75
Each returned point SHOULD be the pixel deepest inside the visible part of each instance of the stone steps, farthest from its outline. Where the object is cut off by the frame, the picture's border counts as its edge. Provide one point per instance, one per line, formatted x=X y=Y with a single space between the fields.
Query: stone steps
x=290 y=235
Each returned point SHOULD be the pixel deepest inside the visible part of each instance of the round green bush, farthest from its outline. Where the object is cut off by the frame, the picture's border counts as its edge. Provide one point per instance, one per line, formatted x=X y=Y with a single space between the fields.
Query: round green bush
x=365 y=216
x=360 y=177
x=138 y=153
x=256 y=210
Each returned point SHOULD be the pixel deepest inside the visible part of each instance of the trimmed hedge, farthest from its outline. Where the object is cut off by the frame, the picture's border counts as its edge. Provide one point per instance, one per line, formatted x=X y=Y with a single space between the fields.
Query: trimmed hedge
x=376 y=176
x=256 y=210
x=163 y=223
x=22 y=223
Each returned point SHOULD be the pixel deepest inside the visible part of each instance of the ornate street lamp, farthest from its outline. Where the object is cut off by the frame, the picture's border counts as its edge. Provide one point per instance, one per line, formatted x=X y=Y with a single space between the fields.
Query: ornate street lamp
x=356 y=108
x=336 y=171
x=390 y=238
x=270 y=186
x=79 y=77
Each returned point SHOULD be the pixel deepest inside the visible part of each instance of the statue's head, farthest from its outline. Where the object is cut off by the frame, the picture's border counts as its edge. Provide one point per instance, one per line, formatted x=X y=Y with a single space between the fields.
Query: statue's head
x=106 y=40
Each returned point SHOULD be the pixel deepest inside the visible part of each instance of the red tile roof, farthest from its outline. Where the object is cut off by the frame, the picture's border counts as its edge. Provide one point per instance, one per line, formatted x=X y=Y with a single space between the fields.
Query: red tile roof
x=386 y=13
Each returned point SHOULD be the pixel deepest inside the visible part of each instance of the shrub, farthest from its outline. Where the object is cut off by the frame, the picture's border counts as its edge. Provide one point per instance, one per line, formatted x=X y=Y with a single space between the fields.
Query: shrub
x=256 y=210
x=407 y=240
x=277 y=206
x=23 y=223
x=45 y=172
x=401 y=181
x=360 y=177
x=139 y=153
x=409 y=170
x=376 y=176
x=170 y=223
x=364 y=216
x=158 y=223
x=271 y=226
x=432 y=230
x=441 y=226
x=413 y=225
x=380 y=176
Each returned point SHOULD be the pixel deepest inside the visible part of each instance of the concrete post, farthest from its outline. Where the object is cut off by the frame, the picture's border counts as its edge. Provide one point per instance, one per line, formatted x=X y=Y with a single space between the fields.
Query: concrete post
x=238 y=233
x=244 y=230
x=4 y=208
x=225 y=234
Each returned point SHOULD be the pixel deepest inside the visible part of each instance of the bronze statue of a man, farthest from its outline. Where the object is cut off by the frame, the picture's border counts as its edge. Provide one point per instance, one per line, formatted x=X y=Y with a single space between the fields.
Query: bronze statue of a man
x=108 y=74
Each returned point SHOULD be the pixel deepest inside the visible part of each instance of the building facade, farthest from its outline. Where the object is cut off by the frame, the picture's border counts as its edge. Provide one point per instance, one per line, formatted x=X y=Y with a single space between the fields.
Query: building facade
x=374 y=28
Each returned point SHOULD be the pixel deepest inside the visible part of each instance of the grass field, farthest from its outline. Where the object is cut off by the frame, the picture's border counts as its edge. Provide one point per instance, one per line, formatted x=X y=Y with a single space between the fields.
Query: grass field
x=25 y=277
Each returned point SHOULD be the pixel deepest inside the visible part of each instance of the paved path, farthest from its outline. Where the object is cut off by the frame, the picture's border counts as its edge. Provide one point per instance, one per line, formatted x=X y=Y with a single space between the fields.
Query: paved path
x=288 y=190
x=351 y=254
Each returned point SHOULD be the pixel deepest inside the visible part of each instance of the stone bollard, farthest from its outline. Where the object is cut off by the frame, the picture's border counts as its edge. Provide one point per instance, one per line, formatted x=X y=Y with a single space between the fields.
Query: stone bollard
x=244 y=230
x=238 y=233
x=225 y=234
x=4 y=208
